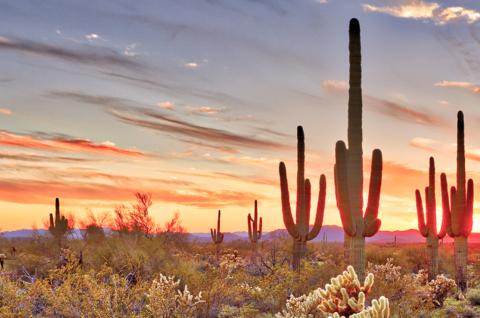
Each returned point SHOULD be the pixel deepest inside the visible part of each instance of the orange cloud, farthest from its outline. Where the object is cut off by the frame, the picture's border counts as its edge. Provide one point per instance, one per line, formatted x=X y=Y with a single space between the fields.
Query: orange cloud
x=418 y=9
x=34 y=191
x=62 y=143
x=462 y=85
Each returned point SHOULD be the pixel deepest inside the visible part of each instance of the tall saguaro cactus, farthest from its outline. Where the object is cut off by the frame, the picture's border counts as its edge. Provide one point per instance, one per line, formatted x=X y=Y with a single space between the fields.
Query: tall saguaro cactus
x=300 y=229
x=254 y=228
x=58 y=225
x=458 y=209
x=349 y=169
x=217 y=236
x=429 y=229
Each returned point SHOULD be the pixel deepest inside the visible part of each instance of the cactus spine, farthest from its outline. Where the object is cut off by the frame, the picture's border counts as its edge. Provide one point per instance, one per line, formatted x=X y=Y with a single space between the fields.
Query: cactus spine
x=429 y=229
x=58 y=225
x=217 y=236
x=349 y=169
x=300 y=230
x=458 y=208
x=254 y=229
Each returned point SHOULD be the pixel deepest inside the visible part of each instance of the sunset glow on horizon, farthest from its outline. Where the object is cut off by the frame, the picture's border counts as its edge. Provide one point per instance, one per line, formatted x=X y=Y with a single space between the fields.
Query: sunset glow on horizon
x=197 y=104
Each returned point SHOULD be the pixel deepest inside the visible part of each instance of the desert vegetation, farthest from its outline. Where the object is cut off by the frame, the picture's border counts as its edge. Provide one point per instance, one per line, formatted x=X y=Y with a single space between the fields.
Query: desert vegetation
x=123 y=264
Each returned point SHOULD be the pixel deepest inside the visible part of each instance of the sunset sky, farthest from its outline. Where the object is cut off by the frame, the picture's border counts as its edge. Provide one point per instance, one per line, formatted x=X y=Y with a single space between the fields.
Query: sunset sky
x=198 y=101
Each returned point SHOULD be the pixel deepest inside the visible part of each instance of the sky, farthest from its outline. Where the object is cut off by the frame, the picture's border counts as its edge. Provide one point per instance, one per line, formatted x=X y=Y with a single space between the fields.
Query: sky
x=197 y=102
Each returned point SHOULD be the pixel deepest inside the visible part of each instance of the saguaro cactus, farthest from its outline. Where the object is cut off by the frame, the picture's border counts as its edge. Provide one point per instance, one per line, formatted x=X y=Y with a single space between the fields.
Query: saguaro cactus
x=58 y=225
x=429 y=229
x=458 y=209
x=300 y=230
x=254 y=228
x=349 y=169
x=217 y=236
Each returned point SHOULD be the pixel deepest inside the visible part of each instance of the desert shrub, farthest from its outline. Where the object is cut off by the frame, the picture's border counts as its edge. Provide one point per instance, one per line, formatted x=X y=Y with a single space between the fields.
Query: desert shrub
x=473 y=296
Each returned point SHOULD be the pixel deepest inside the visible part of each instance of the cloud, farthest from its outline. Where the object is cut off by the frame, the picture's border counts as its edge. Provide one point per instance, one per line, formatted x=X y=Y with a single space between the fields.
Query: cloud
x=462 y=85
x=92 y=36
x=122 y=110
x=401 y=112
x=48 y=142
x=35 y=191
x=424 y=143
x=206 y=110
x=418 y=9
x=181 y=128
x=191 y=65
x=130 y=50
x=39 y=158
x=5 y=111
x=99 y=56
x=335 y=85
x=166 y=105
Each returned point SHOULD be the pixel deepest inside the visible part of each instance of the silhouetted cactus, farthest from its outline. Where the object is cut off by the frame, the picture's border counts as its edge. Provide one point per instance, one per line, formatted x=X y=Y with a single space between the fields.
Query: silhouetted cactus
x=217 y=235
x=429 y=229
x=300 y=230
x=349 y=169
x=458 y=209
x=254 y=228
x=58 y=225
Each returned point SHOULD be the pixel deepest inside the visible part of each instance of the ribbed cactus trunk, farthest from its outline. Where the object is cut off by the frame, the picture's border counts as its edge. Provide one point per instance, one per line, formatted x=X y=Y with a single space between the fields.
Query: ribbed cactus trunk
x=461 y=257
x=254 y=231
x=59 y=225
x=459 y=208
x=300 y=230
x=217 y=236
x=349 y=169
x=429 y=228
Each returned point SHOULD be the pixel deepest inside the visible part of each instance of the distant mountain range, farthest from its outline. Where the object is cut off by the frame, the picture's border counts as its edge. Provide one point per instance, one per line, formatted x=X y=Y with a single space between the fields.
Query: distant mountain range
x=333 y=233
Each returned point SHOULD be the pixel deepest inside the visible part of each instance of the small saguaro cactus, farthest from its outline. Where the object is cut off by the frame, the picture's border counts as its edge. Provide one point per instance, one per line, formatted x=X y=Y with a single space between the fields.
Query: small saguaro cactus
x=348 y=169
x=429 y=229
x=254 y=228
x=58 y=225
x=458 y=208
x=300 y=230
x=217 y=236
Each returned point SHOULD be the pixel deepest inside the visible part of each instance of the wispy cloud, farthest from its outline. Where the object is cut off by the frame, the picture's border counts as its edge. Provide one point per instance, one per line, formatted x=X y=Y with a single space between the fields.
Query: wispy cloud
x=424 y=144
x=191 y=65
x=181 y=128
x=36 y=191
x=335 y=85
x=388 y=108
x=462 y=85
x=48 y=142
x=169 y=124
x=166 y=105
x=88 y=56
x=423 y=10
x=206 y=110
x=6 y=111
x=402 y=112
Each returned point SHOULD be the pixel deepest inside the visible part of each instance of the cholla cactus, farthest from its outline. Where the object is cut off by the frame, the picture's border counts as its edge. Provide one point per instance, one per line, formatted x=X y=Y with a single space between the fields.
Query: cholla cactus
x=380 y=309
x=165 y=299
x=299 y=229
x=217 y=236
x=343 y=297
x=348 y=169
x=58 y=225
x=458 y=209
x=429 y=229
